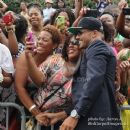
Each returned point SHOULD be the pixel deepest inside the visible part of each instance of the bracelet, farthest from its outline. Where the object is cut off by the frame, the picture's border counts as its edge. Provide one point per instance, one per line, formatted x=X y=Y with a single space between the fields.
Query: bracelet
x=118 y=88
x=11 y=28
x=1 y=78
x=32 y=107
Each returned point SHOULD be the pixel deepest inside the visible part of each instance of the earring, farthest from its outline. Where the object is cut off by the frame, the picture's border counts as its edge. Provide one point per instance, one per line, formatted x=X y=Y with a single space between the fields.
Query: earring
x=54 y=51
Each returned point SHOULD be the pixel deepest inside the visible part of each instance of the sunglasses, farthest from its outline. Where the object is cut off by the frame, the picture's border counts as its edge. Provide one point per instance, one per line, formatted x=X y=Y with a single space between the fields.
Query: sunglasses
x=75 y=42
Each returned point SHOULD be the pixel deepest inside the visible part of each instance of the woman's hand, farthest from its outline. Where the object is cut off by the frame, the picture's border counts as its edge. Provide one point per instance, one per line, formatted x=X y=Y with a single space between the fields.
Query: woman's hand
x=83 y=11
x=29 y=47
x=120 y=98
x=122 y=4
x=124 y=65
x=42 y=120
x=50 y=118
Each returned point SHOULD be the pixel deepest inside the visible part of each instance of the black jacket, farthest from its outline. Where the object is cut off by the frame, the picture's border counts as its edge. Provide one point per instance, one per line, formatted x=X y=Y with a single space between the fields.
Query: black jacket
x=93 y=89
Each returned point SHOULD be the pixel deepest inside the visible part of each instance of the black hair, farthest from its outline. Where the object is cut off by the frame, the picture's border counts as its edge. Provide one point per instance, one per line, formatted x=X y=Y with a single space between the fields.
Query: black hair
x=66 y=44
x=57 y=4
x=109 y=32
x=1 y=15
x=126 y=43
x=68 y=11
x=112 y=10
x=21 y=27
x=64 y=50
x=107 y=13
x=35 y=5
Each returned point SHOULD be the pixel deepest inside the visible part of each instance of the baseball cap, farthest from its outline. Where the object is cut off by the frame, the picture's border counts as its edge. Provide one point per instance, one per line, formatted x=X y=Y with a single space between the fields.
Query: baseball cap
x=89 y=23
x=49 y=1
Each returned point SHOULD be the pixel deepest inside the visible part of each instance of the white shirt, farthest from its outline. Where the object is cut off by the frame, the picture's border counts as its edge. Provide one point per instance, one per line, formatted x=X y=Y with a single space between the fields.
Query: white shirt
x=6 y=62
x=47 y=13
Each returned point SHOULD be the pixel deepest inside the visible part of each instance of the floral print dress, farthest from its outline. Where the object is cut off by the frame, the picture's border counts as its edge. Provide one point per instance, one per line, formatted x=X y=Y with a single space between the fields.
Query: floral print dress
x=52 y=68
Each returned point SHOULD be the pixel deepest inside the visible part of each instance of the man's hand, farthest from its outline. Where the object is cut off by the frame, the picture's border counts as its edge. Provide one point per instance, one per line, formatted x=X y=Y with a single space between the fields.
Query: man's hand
x=69 y=124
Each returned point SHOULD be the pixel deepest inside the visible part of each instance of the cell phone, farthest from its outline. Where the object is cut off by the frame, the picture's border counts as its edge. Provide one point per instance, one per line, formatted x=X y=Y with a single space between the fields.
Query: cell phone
x=126 y=11
x=30 y=37
x=92 y=13
x=8 y=18
x=60 y=22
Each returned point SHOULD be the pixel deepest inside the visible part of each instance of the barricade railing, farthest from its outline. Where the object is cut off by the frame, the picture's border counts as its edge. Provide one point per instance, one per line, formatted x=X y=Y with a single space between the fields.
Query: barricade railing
x=125 y=107
x=7 y=105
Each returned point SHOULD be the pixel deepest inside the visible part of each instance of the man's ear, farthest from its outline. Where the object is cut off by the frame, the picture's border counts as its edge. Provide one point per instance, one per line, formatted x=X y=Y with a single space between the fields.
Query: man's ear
x=94 y=33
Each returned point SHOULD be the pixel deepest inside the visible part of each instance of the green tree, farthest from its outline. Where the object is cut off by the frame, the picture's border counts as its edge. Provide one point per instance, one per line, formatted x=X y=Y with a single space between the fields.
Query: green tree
x=15 y=4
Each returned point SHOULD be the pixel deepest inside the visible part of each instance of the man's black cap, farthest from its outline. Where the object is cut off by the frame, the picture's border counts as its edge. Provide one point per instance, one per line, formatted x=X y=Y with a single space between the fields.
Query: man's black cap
x=89 y=23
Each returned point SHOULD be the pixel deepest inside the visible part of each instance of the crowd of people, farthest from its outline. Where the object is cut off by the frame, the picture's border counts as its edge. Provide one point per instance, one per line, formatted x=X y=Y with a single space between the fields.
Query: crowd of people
x=66 y=69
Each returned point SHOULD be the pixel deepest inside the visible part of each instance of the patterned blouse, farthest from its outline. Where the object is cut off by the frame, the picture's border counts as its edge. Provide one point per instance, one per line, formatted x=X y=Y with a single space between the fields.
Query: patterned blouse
x=52 y=68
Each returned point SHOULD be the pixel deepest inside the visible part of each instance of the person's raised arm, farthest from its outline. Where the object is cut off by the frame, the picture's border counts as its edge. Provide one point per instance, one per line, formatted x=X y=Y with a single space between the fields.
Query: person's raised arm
x=12 y=41
x=36 y=75
x=81 y=14
x=120 y=23
x=78 y=6
x=3 y=7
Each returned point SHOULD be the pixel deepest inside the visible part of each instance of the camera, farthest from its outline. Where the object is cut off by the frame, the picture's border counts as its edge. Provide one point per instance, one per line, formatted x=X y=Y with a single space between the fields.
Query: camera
x=126 y=11
x=92 y=13
x=60 y=22
x=8 y=18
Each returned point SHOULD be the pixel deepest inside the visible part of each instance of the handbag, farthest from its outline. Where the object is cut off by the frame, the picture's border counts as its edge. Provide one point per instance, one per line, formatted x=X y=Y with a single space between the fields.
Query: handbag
x=30 y=125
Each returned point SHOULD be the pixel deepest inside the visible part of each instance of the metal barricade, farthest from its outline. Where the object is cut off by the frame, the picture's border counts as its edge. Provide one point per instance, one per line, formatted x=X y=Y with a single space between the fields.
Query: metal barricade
x=125 y=107
x=21 y=110
x=7 y=105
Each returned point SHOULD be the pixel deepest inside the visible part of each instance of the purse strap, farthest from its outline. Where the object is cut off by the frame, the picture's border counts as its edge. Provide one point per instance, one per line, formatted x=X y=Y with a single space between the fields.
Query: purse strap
x=52 y=94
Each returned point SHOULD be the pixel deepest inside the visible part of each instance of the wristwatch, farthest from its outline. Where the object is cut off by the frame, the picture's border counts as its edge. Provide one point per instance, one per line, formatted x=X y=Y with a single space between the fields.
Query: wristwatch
x=74 y=114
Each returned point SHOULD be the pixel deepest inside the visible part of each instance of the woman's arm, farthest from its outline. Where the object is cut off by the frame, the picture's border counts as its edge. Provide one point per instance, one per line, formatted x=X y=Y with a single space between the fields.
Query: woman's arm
x=4 y=6
x=3 y=39
x=37 y=76
x=120 y=23
x=13 y=44
x=34 y=73
x=81 y=14
x=21 y=77
x=78 y=6
x=124 y=67
x=52 y=117
x=7 y=79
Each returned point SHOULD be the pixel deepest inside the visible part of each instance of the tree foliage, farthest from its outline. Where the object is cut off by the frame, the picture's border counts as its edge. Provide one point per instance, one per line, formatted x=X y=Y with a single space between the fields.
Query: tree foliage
x=15 y=4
